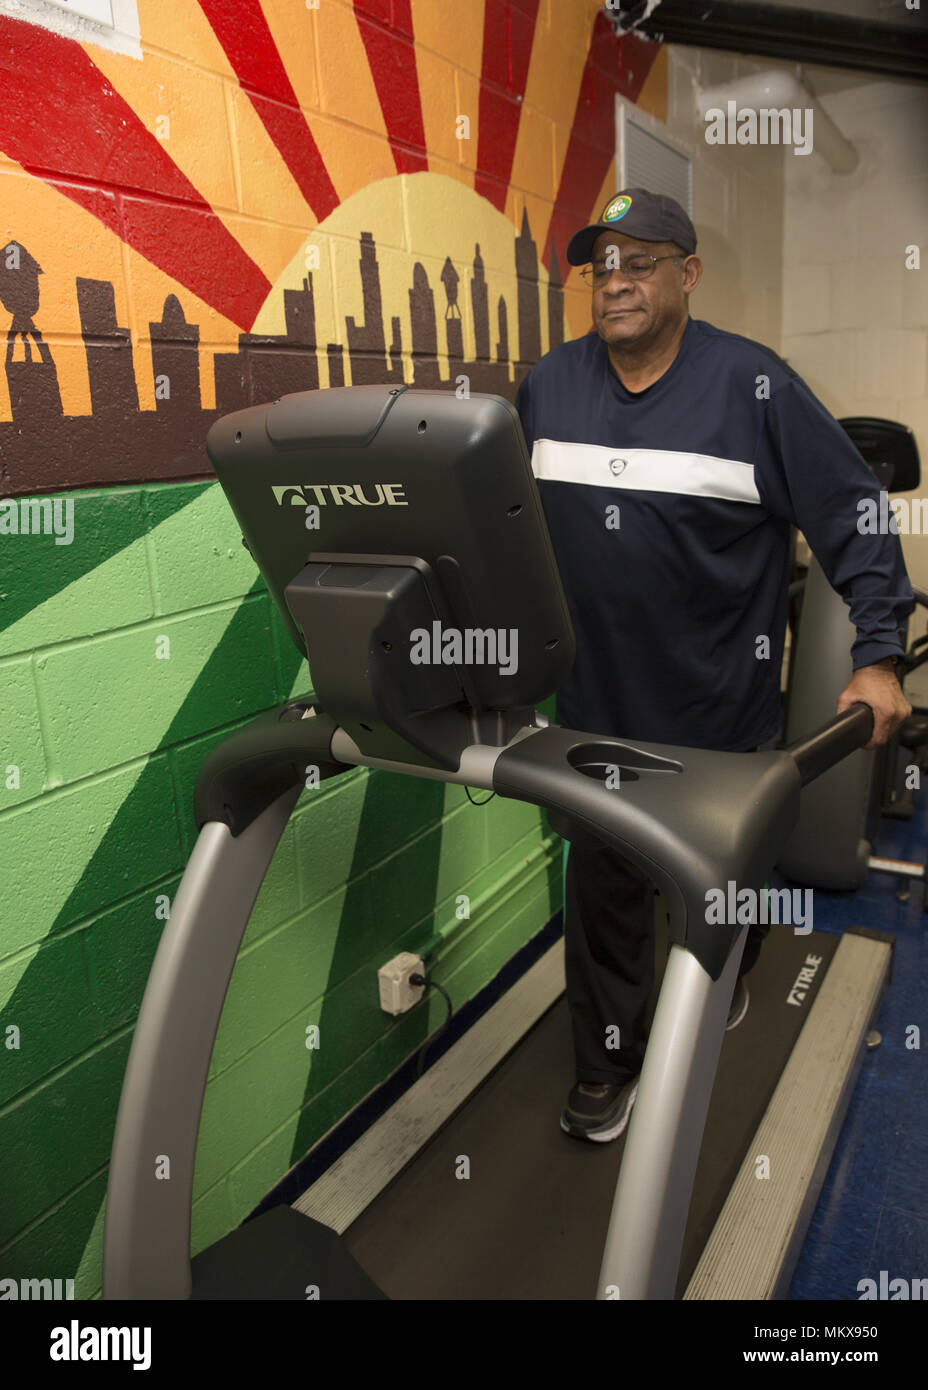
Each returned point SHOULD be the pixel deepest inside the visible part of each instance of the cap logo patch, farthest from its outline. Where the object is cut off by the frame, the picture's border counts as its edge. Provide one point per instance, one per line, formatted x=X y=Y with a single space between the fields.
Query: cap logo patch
x=616 y=209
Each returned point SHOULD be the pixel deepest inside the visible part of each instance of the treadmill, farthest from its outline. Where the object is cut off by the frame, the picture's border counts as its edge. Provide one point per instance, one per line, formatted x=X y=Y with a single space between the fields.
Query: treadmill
x=388 y=522
x=832 y=845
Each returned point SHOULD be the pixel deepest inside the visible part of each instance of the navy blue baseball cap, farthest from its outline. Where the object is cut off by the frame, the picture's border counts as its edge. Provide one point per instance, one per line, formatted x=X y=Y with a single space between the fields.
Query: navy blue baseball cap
x=636 y=213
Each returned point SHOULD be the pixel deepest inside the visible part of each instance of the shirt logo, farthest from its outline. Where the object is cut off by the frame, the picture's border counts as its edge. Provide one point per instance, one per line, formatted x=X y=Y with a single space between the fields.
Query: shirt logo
x=618 y=465
x=617 y=208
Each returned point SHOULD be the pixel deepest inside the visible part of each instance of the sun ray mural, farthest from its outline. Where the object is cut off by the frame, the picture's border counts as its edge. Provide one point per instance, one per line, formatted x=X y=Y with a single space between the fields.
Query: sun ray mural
x=218 y=297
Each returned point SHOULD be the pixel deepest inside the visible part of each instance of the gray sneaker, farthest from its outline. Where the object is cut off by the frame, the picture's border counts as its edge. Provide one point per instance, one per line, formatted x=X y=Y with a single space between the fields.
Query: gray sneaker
x=599 y=1111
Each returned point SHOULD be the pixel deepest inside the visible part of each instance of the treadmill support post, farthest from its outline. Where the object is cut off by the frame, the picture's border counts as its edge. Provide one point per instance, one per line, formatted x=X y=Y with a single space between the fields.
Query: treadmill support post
x=146 y=1237
x=652 y=1198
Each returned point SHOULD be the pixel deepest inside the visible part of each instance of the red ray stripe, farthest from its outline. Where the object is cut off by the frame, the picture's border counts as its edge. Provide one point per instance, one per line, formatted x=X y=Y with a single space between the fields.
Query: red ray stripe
x=508 y=34
x=612 y=65
x=64 y=123
x=386 y=31
x=249 y=46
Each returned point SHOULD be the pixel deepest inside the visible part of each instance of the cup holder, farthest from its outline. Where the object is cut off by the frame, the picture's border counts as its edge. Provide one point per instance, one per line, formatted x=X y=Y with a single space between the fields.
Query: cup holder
x=597 y=759
x=600 y=771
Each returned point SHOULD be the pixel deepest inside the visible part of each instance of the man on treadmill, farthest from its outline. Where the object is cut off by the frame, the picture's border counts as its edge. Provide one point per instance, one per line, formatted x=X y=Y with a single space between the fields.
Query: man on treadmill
x=672 y=460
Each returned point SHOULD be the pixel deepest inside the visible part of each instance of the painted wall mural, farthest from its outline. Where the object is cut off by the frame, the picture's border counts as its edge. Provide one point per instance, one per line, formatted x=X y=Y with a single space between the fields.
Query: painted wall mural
x=108 y=379
x=265 y=364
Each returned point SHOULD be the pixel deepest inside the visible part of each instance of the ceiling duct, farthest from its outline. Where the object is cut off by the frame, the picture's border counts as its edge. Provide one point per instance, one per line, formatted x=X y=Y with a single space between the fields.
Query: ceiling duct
x=848 y=35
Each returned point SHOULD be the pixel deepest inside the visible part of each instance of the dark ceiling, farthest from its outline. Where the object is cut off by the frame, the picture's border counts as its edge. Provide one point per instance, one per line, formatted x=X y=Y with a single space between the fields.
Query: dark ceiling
x=877 y=36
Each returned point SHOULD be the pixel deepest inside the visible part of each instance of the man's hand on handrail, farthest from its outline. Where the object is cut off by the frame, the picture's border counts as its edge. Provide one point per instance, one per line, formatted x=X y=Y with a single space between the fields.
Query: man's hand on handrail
x=877 y=687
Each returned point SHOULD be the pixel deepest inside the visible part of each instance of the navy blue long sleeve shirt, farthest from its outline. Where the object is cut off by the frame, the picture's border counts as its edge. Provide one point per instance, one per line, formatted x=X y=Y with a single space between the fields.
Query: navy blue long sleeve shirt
x=670 y=512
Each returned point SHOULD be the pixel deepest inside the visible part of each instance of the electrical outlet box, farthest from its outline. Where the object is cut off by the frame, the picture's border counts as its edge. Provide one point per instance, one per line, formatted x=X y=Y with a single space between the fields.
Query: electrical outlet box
x=397 y=995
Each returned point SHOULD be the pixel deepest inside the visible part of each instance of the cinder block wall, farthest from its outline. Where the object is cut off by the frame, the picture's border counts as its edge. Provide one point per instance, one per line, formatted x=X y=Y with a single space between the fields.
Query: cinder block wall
x=126 y=654
x=855 y=308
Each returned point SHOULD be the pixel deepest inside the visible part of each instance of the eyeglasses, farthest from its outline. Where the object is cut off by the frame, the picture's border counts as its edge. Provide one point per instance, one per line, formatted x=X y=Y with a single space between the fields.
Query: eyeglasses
x=637 y=267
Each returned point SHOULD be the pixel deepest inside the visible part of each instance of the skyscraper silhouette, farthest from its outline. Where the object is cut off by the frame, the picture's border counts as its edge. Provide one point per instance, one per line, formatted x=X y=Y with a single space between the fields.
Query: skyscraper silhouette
x=527 y=279
x=175 y=359
x=366 y=346
x=424 y=331
x=555 y=302
x=108 y=350
x=454 y=329
x=480 y=307
x=502 y=346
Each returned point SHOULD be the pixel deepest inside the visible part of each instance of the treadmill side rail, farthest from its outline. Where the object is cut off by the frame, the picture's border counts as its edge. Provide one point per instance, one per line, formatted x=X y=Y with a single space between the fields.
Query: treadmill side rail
x=652 y=1198
x=146 y=1239
x=755 y=1244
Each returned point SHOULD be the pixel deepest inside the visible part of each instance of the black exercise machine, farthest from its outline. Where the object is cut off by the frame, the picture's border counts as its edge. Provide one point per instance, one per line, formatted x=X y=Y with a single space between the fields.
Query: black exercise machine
x=832 y=845
x=402 y=538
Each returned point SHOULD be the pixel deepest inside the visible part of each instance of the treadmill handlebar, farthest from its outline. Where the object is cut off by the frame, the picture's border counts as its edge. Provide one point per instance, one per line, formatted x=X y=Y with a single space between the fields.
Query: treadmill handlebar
x=818 y=751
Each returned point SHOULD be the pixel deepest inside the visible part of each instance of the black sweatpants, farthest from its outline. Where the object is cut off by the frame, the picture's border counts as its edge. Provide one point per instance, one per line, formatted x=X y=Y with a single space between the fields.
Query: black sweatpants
x=609 y=960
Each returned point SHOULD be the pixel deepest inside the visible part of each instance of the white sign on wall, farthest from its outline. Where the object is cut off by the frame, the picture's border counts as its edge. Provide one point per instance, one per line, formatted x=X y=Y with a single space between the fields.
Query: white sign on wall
x=112 y=24
x=100 y=10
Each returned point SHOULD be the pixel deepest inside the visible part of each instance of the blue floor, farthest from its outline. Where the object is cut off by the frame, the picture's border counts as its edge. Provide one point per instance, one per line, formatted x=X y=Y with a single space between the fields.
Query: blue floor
x=873 y=1211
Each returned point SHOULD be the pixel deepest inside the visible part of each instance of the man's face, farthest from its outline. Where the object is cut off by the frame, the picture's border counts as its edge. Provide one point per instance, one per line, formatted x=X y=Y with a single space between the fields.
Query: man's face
x=633 y=311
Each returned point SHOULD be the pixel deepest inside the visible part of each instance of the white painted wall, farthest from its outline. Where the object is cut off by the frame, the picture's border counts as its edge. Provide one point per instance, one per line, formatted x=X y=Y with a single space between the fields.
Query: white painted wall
x=812 y=263
x=855 y=320
x=738 y=194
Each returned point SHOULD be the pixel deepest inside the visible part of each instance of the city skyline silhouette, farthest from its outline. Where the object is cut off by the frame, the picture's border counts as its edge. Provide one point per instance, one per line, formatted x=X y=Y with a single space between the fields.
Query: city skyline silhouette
x=43 y=450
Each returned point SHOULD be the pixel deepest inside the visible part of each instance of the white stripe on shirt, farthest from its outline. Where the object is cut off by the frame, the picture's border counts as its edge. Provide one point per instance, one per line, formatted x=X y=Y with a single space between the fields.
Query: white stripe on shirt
x=644 y=470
